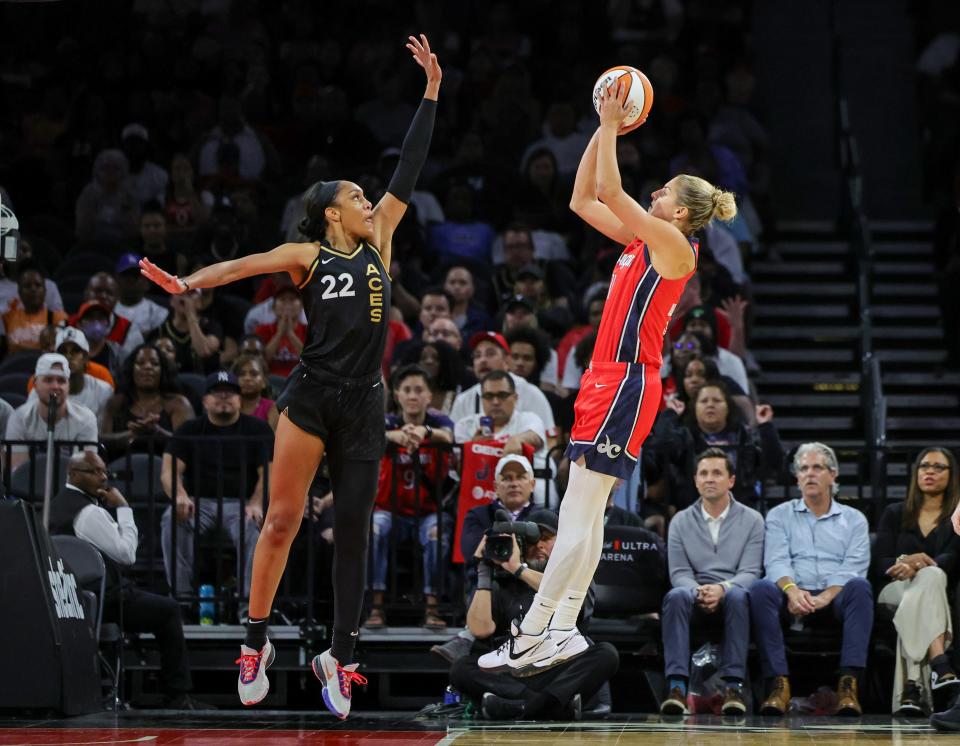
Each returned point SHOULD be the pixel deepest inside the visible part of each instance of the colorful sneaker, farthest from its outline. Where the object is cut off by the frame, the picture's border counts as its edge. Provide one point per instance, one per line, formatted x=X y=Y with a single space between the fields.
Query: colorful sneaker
x=569 y=644
x=520 y=652
x=337 y=681
x=253 y=684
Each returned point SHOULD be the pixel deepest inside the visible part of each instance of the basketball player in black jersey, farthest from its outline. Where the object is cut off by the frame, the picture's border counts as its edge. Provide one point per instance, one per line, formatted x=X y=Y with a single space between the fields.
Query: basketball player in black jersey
x=333 y=402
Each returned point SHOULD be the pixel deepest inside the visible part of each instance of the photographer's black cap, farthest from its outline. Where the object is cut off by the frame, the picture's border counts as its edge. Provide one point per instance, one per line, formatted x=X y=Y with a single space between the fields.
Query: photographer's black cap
x=545 y=518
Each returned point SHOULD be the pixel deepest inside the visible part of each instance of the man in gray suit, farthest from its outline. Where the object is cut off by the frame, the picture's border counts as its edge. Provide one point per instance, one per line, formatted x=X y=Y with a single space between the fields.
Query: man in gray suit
x=715 y=552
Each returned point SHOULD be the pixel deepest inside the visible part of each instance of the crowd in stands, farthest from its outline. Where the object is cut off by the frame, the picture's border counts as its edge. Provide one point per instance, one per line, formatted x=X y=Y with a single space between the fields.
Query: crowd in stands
x=187 y=132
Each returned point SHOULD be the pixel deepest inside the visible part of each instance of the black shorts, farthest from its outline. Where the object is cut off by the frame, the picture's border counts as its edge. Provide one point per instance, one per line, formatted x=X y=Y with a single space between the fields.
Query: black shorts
x=346 y=414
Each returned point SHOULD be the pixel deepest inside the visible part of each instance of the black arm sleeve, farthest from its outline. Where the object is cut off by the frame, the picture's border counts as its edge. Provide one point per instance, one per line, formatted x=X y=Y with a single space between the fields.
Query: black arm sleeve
x=413 y=153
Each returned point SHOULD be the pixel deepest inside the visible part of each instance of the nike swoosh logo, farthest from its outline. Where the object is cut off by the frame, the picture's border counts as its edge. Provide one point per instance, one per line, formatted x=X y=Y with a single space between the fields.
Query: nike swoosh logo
x=327 y=261
x=531 y=648
x=600 y=385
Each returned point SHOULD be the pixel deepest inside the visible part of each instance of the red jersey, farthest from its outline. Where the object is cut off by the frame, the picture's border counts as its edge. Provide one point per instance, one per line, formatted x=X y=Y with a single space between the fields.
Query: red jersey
x=638 y=309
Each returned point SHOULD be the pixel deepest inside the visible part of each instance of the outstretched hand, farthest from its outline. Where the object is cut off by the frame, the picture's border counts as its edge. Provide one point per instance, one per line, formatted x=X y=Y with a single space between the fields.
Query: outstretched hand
x=425 y=58
x=170 y=283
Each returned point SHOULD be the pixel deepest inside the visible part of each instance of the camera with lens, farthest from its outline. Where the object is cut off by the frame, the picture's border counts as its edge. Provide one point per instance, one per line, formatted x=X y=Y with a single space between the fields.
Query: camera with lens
x=500 y=535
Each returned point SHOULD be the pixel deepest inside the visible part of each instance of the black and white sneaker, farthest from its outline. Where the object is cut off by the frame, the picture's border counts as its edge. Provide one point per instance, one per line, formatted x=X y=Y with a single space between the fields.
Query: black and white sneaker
x=911 y=702
x=939 y=682
x=520 y=651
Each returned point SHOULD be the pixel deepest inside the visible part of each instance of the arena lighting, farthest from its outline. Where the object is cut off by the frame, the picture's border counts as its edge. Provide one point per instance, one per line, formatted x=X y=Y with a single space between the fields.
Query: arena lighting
x=9 y=233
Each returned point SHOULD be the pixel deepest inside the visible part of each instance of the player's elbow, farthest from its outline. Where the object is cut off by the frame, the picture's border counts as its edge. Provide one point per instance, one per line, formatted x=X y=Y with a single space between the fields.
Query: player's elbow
x=608 y=190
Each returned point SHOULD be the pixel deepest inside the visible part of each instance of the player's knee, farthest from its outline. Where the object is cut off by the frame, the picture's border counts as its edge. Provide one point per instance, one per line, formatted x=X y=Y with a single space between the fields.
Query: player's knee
x=280 y=526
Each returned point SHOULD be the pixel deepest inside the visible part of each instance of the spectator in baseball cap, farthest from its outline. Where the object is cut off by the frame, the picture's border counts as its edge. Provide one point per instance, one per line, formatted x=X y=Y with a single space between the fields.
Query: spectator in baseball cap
x=73 y=422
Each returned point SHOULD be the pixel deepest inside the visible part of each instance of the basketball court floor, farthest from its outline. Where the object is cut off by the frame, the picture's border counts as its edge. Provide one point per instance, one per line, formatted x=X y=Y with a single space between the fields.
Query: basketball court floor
x=247 y=728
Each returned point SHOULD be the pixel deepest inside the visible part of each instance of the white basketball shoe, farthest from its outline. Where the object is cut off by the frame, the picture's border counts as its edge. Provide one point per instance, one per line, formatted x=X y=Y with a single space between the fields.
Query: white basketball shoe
x=253 y=684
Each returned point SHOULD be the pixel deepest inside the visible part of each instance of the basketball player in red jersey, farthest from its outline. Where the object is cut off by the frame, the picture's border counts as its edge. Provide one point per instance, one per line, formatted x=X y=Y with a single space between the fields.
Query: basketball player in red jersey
x=620 y=392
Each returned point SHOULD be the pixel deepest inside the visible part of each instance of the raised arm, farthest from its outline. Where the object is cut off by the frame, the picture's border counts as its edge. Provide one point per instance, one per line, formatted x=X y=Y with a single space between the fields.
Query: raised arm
x=584 y=200
x=413 y=153
x=669 y=249
x=292 y=258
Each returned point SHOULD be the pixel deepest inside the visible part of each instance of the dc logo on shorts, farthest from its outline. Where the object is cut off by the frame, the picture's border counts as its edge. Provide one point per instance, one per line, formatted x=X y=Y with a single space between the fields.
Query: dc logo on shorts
x=609 y=449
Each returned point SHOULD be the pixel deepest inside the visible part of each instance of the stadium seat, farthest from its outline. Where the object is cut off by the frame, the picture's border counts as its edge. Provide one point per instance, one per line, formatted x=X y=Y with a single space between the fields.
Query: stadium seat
x=24 y=361
x=15 y=382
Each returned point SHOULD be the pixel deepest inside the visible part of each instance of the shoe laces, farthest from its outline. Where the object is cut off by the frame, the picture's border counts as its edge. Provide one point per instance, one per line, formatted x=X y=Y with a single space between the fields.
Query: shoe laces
x=347 y=678
x=249 y=665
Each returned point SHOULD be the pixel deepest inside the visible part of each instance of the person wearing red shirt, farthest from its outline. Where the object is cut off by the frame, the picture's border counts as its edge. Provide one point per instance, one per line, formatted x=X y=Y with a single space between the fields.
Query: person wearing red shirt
x=283 y=339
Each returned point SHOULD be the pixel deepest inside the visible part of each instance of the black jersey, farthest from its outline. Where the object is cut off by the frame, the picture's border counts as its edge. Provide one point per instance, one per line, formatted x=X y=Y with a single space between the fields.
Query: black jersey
x=347 y=297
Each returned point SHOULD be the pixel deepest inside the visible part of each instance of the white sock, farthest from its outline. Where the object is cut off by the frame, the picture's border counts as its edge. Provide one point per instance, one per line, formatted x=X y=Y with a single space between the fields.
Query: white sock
x=538 y=617
x=568 y=609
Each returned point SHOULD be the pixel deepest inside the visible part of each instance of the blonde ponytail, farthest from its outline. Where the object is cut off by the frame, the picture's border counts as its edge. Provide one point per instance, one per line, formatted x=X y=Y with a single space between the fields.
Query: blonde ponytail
x=704 y=202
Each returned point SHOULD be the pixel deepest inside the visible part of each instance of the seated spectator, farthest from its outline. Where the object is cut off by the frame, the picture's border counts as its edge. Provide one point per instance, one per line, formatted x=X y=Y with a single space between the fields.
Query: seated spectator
x=72 y=422
x=688 y=372
x=85 y=389
x=262 y=313
x=445 y=369
x=702 y=322
x=713 y=420
x=251 y=372
x=709 y=572
x=490 y=352
x=251 y=344
x=27 y=315
x=185 y=208
x=143 y=313
x=553 y=314
x=532 y=358
x=122 y=335
x=221 y=453
x=153 y=240
x=692 y=297
x=195 y=337
x=517 y=253
x=469 y=317
x=462 y=235
x=283 y=340
x=505 y=422
x=146 y=180
x=407 y=495
x=168 y=349
x=435 y=303
x=107 y=209
x=222 y=310
x=148 y=407
x=443 y=329
x=505 y=590
x=689 y=346
x=541 y=196
x=915 y=557
x=90 y=509
x=8 y=281
x=562 y=137
x=816 y=556
x=233 y=128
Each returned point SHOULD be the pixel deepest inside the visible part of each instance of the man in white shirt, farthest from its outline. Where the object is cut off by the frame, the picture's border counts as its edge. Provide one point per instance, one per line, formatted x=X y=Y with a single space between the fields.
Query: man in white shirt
x=73 y=422
x=85 y=507
x=505 y=422
x=143 y=313
x=491 y=352
x=86 y=390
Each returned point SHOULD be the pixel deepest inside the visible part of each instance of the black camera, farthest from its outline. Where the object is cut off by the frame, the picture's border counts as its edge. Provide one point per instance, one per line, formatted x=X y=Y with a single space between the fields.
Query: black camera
x=500 y=535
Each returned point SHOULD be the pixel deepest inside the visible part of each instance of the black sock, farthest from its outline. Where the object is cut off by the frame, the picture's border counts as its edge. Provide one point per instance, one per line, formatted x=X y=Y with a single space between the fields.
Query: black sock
x=256 y=634
x=941 y=664
x=342 y=645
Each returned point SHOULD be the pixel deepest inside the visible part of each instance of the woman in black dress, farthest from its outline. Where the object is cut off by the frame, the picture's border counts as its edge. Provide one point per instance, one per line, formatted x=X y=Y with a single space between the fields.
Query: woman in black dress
x=333 y=401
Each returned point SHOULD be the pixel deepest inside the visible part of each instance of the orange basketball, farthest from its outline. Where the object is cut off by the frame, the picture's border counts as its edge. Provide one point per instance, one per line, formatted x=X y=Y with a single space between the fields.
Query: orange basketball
x=639 y=91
